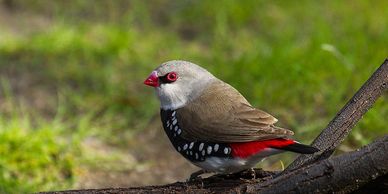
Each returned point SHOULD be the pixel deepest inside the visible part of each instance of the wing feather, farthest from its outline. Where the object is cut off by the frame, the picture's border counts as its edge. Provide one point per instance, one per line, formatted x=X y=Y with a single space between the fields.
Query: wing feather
x=222 y=114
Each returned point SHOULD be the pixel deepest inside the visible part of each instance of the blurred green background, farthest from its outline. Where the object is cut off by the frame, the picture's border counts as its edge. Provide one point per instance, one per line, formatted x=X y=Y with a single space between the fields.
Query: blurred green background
x=75 y=114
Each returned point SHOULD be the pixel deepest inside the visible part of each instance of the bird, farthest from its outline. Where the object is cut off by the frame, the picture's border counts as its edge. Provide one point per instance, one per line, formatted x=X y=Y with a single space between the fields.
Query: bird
x=212 y=125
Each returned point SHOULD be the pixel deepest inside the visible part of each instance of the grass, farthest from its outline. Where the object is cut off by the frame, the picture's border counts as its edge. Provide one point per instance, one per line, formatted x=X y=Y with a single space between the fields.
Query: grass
x=34 y=154
x=34 y=158
x=301 y=62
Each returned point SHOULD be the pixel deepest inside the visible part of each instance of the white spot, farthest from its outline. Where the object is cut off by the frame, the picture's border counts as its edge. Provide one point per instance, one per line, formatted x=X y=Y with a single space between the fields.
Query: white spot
x=174 y=121
x=226 y=150
x=191 y=145
x=179 y=131
x=185 y=147
x=187 y=152
x=179 y=149
x=170 y=127
x=203 y=152
x=176 y=128
x=201 y=146
x=196 y=155
x=191 y=153
x=168 y=123
x=216 y=147
x=173 y=113
x=209 y=149
x=174 y=134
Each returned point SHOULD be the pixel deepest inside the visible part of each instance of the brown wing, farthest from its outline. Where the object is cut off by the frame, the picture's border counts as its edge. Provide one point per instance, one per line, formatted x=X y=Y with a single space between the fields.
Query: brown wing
x=222 y=114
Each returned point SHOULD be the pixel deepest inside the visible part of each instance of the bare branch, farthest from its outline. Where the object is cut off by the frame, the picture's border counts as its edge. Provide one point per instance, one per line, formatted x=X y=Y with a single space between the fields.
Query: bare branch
x=343 y=122
x=345 y=173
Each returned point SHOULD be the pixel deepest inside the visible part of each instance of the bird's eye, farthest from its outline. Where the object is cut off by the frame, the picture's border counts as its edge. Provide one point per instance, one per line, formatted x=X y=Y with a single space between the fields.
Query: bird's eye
x=171 y=77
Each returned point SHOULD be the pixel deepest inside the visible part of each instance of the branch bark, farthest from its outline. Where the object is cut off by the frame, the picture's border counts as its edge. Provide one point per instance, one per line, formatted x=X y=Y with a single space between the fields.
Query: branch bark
x=361 y=169
x=344 y=121
x=344 y=173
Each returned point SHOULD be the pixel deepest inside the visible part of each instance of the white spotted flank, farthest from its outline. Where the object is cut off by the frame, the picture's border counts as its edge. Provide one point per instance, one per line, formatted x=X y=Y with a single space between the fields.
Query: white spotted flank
x=209 y=149
x=201 y=146
x=216 y=147
x=226 y=151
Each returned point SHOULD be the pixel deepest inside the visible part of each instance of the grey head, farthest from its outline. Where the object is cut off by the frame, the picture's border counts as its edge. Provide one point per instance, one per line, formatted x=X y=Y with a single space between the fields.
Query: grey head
x=178 y=82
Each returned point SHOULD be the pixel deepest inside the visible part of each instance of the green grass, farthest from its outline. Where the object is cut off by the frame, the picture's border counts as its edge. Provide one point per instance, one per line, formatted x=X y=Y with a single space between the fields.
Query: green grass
x=300 y=61
x=34 y=154
x=34 y=158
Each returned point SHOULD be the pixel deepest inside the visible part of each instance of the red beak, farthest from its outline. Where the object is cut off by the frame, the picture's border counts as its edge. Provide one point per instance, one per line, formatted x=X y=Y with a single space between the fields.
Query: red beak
x=152 y=80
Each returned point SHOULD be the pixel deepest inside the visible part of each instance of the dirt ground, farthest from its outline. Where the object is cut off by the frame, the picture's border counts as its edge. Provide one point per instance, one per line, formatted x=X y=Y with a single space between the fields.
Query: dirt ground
x=154 y=162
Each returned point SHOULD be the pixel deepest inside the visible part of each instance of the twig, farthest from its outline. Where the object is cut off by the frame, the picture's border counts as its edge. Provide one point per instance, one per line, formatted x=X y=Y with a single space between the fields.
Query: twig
x=343 y=122
x=344 y=173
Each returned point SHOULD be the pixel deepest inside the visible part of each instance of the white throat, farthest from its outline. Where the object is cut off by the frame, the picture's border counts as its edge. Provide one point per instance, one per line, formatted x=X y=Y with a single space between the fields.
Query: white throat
x=169 y=97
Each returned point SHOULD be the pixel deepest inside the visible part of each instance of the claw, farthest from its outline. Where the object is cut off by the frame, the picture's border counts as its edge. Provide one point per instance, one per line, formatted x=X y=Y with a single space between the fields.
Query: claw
x=253 y=173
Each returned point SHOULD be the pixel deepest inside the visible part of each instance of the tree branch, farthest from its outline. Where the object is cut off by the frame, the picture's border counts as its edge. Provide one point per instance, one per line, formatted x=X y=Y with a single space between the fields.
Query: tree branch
x=343 y=122
x=344 y=173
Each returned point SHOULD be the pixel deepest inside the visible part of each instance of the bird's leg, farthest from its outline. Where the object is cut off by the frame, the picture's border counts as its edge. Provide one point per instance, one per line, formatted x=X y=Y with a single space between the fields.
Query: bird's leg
x=195 y=175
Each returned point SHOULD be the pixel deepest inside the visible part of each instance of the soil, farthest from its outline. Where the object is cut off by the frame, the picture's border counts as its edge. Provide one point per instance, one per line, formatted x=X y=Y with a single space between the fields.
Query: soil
x=154 y=162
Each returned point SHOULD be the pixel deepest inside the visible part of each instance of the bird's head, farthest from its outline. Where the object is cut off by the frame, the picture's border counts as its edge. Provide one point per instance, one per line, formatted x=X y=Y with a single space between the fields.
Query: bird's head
x=178 y=82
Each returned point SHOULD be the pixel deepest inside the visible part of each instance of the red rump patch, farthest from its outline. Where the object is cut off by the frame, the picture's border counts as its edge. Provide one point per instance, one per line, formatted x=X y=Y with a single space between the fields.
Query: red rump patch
x=246 y=149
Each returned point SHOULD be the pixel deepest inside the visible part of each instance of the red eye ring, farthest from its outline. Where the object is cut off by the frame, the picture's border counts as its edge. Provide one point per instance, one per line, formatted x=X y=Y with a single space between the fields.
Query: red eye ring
x=172 y=76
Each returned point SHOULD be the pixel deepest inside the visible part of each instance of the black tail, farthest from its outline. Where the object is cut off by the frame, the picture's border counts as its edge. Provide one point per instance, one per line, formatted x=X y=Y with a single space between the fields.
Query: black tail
x=300 y=148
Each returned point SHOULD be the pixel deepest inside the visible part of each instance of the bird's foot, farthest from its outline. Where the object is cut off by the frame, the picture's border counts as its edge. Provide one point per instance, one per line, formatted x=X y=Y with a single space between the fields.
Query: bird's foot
x=196 y=175
x=252 y=173
x=247 y=174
